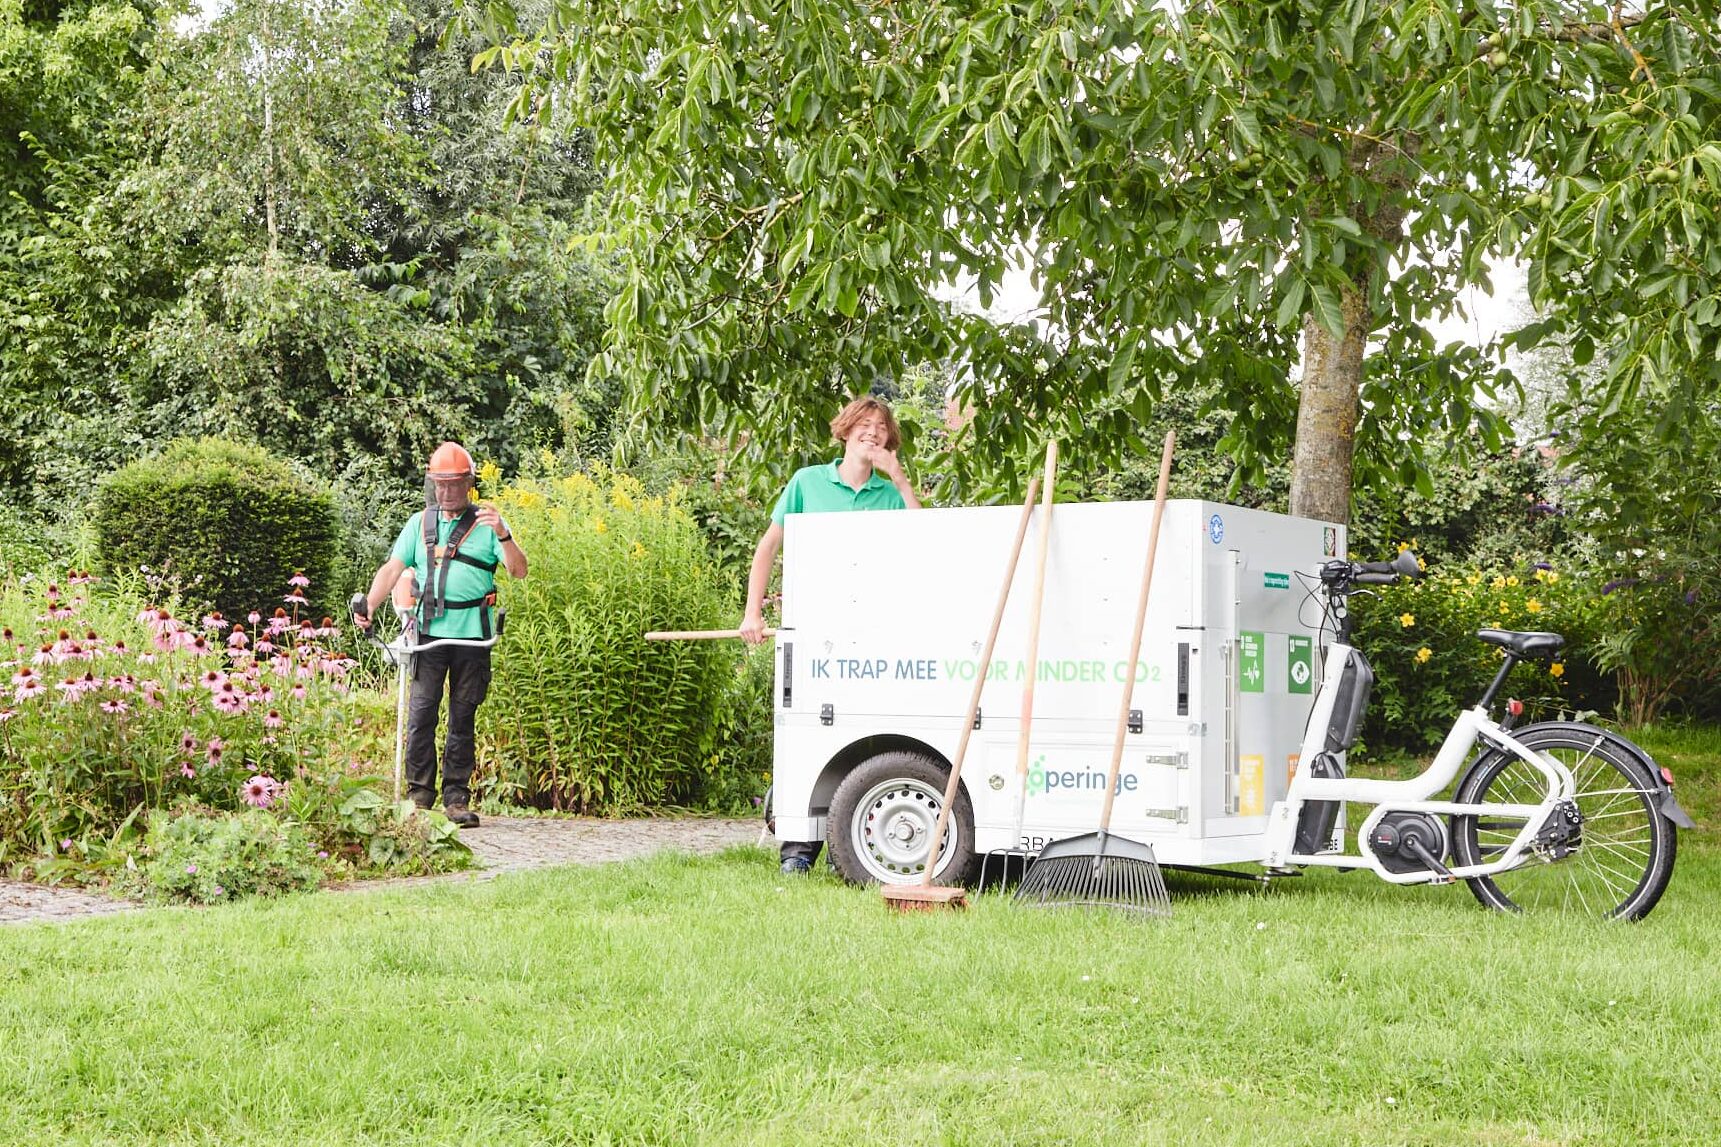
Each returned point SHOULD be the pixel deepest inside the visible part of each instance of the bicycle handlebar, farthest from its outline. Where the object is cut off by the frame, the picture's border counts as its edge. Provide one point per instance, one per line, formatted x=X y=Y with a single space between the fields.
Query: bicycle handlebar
x=1339 y=576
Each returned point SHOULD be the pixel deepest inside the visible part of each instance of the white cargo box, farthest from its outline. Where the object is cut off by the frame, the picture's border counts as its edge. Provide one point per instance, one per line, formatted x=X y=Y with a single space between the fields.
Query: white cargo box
x=885 y=614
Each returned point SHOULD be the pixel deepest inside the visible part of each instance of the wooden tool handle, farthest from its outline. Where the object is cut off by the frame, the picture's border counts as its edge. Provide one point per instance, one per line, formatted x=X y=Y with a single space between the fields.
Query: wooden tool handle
x=1135 y=636
x=1027 y=716
x=954 y=785
x=697 y=634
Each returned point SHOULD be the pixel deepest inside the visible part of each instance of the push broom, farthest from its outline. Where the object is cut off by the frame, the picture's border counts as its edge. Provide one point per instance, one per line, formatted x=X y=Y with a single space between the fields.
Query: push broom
x=1099 y=870
x=927 y=895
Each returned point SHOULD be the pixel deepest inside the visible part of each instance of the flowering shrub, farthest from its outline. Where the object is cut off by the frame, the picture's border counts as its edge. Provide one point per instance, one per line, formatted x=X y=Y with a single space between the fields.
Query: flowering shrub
x=107 y=709
x=1421 y=639
x=1659 y=634
x=585 y=714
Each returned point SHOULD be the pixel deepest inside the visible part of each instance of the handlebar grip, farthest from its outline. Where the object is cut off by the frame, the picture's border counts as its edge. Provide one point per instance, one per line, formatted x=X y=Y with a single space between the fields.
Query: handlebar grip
x=359 y=605
x=1375 y=568
x=1376 y=577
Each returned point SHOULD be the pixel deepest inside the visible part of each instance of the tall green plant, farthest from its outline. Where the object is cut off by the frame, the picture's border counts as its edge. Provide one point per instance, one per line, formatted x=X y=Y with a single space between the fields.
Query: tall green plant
x=585 y=714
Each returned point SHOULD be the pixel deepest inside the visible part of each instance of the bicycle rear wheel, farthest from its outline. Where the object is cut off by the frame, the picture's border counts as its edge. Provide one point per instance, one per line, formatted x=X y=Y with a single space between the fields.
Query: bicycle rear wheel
x=1624 y=858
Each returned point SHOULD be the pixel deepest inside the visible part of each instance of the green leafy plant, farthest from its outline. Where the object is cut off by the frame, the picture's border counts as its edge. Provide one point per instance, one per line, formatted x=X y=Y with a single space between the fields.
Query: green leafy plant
x=399 y=836
x=228 y=523
x=585 y=715
x=203 y=856
x=1421 y=639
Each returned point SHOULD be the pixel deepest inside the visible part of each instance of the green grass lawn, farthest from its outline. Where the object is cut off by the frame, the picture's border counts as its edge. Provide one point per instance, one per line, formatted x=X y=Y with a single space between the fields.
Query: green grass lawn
x=693 y=1001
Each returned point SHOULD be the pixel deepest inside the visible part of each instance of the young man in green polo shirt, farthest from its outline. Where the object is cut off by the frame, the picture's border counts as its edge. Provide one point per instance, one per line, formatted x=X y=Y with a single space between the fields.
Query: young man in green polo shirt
x=867 y=477
x=455 y=584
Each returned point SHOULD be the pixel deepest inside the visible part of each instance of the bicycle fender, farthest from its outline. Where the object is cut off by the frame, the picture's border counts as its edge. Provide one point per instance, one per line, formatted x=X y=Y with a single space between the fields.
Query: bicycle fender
x=1665 y=803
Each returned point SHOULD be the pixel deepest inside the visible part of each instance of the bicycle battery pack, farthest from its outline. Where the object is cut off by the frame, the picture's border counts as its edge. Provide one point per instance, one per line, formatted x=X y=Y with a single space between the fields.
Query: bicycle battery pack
x=1356 y=680
x=1315 y=822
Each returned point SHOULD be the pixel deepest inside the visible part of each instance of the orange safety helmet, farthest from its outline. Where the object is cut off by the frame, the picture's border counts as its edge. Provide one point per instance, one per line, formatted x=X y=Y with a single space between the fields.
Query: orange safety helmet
x=450 y=460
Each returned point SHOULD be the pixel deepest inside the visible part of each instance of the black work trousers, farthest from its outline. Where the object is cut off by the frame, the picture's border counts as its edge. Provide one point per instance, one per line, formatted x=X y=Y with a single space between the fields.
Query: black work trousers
x=466 y=671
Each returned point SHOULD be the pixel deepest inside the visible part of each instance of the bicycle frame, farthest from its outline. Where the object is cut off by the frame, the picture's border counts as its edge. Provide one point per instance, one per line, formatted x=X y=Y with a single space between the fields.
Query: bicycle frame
x=1415 y=794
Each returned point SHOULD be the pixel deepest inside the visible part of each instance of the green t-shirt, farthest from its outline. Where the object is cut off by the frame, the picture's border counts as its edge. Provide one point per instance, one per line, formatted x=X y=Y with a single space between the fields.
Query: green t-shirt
x=465 y=582
x=821 y=490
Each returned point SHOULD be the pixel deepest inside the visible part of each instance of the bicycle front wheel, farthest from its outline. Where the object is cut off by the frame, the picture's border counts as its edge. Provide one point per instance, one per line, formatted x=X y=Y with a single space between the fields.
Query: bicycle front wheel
x=1623 y=858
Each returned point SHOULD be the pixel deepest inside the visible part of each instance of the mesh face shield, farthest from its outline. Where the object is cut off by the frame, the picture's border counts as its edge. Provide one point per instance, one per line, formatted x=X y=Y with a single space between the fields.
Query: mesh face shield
x=447 y=492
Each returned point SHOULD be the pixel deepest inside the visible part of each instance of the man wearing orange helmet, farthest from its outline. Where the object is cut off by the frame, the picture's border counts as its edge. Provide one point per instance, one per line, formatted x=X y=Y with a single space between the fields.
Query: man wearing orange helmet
x=450 y=551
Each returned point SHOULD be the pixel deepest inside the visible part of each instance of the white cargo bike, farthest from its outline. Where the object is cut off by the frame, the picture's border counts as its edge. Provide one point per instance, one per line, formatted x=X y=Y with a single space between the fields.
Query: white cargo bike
x=1246 y=697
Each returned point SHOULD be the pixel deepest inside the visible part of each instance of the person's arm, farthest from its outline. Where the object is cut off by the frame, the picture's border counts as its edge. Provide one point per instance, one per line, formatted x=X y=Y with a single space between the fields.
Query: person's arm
x=380 y=587
x=887 y=463
x=758 y=577
x=513 y=557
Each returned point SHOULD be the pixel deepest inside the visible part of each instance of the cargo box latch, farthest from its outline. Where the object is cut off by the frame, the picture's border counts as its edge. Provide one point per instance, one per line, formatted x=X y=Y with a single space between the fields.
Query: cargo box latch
x=827 y=714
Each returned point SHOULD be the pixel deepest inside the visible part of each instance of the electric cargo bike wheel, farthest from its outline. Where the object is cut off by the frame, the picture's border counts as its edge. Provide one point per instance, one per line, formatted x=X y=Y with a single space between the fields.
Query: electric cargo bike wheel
x=1613 y=860
x=882 y=817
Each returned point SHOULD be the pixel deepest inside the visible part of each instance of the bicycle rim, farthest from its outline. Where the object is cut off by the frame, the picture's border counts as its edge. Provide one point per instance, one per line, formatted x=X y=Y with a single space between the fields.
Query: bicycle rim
x=1624 y=859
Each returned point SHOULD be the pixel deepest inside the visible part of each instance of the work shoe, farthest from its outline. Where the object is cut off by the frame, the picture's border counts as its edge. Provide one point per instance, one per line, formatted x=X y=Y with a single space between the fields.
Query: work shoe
x=461 y=815
x=797 y=866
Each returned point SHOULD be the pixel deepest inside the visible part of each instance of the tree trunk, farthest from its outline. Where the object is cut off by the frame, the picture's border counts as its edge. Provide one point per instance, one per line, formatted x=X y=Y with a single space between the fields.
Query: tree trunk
x=1327 y=412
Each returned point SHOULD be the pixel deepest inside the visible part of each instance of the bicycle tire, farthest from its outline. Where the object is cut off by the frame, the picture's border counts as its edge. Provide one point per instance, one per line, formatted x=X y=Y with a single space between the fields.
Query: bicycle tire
x=1625 y=856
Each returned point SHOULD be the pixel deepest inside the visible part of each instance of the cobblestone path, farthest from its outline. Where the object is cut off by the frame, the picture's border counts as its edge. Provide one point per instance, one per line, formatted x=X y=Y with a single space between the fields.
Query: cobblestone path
x=499 y=844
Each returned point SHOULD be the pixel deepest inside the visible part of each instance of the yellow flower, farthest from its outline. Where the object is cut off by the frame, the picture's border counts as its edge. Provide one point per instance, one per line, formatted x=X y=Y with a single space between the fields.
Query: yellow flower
x=1473 y=579
x=637 y=552
x=600 y=527
x=1533 y=605
x=1557 y=669
x=488 y=473
x=1423 y=654
x=1407 y=619
x=1402 y=546
x=1498 y=583
x=1513 y=580
x=1504 y=608
x=1552 y=577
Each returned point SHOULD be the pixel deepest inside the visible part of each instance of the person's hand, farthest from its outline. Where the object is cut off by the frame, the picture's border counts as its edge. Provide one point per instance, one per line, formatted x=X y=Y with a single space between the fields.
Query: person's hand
x=360 y=608
x=362 y=620
x=753 y=627
x=886 y=463
x=487 y=516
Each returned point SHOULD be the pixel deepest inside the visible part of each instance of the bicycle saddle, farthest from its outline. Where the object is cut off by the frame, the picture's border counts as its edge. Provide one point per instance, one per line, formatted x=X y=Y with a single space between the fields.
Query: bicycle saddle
x=1523 y=644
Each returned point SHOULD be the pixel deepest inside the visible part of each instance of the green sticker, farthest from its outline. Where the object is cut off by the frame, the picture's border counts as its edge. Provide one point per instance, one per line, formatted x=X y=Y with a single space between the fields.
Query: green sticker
x=1251 y=666
x=1301 y=668
x=1277 y=580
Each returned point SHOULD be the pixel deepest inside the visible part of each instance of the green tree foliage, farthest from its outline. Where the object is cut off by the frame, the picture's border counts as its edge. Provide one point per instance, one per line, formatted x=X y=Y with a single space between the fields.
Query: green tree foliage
x=1216 y=191
x=301 y=224
x=227 y=524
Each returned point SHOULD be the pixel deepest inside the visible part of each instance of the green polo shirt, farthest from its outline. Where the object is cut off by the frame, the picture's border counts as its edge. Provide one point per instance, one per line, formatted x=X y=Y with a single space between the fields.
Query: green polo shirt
x=465 y=582
x=821 y=490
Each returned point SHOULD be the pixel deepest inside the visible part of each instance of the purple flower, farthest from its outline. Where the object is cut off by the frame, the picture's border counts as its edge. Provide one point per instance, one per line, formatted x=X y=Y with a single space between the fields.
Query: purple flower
x=191 y=870
x=66 y=845
x=218 y=890
x=1691 y=597
x=322 y=855
x=299 y=579
x=260 y=791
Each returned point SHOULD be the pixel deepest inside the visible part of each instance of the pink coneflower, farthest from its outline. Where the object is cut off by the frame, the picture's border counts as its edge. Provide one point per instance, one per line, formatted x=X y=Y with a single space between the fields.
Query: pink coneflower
x=272 y=719
x=79 y=577
x=254 y=617
x=188 y=742
x=46 y=656
x=25 y=673
x=191 y=870
x=159 y=621
x=299 y=580
x=70 y=688
x=186 y=771
x=218 y=890
x=264 y=647
x=7 y=714
x=153 y=696
x=199 y=646
x=260 y=791
x=266 y=694
x=229 y=699
x=298 y=692
x=214 y=621
x=237 y=639
x=281 y=664
x=115 y=706
x=28 y=688
x=327 y=629
x=146 y=658
x=294 y=597
x=66 y=844
x=120 y=648
x=212 y=679
x=125 y=683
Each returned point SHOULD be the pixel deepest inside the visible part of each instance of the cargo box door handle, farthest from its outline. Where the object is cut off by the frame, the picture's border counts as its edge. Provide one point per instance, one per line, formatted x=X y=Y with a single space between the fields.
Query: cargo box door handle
x=788 y=673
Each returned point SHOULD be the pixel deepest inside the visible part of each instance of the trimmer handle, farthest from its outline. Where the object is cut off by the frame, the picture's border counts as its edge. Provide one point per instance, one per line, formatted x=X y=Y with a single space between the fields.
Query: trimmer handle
x=360 y=606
